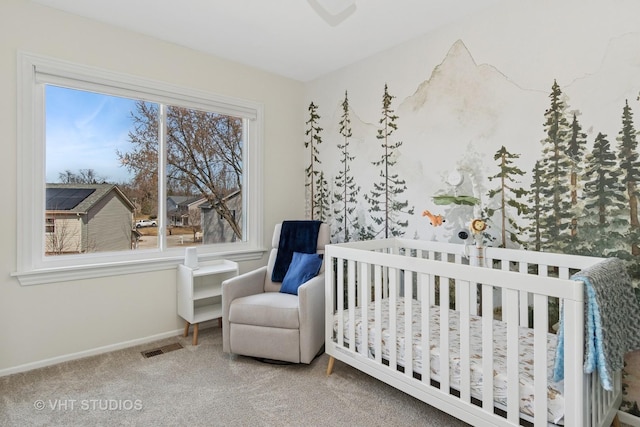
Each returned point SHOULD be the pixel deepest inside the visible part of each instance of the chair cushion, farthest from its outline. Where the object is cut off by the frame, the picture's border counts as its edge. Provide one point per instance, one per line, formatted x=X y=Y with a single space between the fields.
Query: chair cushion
x=302 y=268
x=269 y=309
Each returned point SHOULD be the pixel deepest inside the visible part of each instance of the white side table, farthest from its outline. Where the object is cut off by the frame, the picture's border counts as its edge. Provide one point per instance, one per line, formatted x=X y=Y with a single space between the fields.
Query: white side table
x=200 y=292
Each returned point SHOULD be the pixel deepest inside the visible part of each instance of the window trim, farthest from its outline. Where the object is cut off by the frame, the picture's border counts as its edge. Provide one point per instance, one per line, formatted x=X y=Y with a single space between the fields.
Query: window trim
x=32 y=266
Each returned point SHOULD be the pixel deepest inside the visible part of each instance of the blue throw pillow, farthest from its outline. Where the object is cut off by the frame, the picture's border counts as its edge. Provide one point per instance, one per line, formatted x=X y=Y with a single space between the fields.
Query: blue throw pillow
x=302 y=268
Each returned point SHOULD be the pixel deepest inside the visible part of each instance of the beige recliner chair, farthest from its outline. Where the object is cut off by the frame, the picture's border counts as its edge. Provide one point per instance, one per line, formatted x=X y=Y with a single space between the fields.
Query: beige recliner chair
x=260 y=321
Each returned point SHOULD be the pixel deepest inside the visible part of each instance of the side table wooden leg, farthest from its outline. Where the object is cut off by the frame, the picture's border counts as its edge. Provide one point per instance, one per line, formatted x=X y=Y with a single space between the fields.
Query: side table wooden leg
x=186 y=328
x=195 y=334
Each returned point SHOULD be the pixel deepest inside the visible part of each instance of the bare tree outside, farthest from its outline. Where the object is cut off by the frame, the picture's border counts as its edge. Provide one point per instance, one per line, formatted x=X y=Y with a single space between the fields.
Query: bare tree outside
x=204 y=156
x=195 y=223
x=62 y=236
x=83 y=176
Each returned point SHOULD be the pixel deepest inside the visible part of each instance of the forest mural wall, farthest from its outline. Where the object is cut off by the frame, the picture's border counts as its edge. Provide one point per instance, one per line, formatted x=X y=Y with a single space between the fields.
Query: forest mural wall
x=549 y=166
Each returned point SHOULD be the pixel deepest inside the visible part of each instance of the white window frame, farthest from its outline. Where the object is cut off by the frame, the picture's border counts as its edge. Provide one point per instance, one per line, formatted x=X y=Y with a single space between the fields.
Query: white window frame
x=33 y=267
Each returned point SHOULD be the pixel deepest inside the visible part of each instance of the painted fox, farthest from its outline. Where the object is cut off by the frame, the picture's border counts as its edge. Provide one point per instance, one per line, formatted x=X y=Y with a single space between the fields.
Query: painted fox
x=435 y=220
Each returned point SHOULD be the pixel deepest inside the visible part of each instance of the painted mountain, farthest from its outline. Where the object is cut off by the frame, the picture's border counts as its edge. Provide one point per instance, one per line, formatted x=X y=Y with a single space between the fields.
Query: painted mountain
x=461 y=115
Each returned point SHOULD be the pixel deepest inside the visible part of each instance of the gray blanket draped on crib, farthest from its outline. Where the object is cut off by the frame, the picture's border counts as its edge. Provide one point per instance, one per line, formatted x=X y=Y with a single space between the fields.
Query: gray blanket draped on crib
x=612 y=321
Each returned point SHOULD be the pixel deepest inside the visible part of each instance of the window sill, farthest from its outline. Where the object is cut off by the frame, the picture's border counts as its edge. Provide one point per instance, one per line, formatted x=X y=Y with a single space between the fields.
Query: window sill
x=91 y=271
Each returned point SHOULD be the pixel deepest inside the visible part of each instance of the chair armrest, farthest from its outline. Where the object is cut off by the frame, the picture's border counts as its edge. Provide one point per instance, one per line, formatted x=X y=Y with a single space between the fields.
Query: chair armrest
x=246 y=284
x=311 y=305
x=249 y=283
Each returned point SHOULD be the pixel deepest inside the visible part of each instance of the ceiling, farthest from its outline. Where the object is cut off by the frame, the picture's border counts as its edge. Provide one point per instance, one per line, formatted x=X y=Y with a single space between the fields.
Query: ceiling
x=298 y=39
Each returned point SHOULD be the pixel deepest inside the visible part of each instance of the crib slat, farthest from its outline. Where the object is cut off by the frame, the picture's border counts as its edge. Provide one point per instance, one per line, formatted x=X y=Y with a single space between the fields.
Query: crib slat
x=487 y=347
x=573 y=350
x=598 y=406
x=458 y=293
x=465 y=343
x=595 y=401
x=509 y=309
x=444 y=335
x=351 y=302
x=393 y=317
x=473 y=299
x=408 y=322
x=596 y=392
x=365 y=290
x=592 y=383
x=524 y=299
x=425 y=280
x=340 y=301
x=432 y=288
x=419 y=288
x=385 y=282
x=504 y=267
x=432 y=281
x=540 y=327
x=377 y=279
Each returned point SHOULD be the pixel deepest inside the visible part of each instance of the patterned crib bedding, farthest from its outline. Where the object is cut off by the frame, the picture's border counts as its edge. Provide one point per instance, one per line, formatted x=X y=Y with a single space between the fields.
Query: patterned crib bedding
x=555 y=405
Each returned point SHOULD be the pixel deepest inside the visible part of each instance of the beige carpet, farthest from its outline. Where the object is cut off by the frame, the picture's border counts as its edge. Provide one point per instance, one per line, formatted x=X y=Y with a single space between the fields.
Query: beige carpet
x=201 y=386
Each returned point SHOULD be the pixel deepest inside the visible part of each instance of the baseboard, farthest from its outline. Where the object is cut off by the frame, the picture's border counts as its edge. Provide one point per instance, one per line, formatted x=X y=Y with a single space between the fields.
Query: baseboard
x=87 y=353
x=628 y=419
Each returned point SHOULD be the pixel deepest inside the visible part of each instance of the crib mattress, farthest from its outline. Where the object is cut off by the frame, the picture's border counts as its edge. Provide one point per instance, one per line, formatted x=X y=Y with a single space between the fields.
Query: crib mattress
x=555 y=406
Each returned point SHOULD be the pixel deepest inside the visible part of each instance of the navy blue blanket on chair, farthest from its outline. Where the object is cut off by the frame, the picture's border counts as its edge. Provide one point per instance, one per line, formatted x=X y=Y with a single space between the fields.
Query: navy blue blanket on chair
x=295 y=236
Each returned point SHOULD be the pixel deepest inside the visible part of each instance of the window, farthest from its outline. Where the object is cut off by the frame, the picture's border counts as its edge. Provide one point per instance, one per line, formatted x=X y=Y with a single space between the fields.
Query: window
x=121 y=174
x=50 y=226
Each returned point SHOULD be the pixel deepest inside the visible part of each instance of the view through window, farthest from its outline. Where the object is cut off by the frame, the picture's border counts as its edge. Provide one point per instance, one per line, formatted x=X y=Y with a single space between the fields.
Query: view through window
x=128 y=174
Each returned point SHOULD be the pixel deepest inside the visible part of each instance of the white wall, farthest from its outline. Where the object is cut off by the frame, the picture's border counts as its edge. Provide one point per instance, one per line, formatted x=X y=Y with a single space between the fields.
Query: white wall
x=44 y=323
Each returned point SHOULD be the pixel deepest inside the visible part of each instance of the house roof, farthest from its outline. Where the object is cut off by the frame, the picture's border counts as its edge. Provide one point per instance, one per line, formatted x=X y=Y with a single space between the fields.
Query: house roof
x=183 y=201
x=178 y=200
x=232 y=195
x=79 y=198
x=191 y=200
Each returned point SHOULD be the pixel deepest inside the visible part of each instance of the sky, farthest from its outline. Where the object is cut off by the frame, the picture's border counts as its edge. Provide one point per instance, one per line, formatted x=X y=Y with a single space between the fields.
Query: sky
x=84 y=130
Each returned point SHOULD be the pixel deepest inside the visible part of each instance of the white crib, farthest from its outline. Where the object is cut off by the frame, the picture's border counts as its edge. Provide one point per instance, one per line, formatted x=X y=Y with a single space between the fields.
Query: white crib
x=496 y=327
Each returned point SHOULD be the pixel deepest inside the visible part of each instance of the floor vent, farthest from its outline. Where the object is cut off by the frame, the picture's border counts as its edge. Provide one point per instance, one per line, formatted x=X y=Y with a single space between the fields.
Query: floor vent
x=161 y=350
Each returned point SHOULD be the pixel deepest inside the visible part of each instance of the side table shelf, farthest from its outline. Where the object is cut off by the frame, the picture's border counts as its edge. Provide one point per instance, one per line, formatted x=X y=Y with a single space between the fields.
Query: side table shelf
x=200 y=292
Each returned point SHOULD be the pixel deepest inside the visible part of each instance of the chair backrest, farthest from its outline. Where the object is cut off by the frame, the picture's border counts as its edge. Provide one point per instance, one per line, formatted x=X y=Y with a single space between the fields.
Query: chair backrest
x=324 y=235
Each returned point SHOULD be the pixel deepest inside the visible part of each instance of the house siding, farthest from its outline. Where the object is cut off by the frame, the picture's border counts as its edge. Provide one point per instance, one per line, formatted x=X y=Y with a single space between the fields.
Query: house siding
x=215 y=229
x=109 y=224
x=67 y=235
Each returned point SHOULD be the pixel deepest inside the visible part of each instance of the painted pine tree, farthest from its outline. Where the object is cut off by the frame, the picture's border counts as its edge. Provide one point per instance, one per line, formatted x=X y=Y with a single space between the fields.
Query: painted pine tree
x=535 y=210
x=576 y=152
x=384 y=206
x=509 y=197
x=346 y=190
x=312 y=173
x=604 y=203
x=321 y=207
x=555 y=200
x=630 y=166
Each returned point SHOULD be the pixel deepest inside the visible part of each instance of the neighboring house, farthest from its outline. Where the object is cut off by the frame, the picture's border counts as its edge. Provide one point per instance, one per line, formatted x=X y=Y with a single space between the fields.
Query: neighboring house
x=183 y=211
x=216 y=229
x=84 y=218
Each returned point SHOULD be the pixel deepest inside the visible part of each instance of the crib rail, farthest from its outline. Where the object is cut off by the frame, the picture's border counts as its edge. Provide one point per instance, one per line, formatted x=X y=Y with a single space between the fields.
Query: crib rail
x=361 y=275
